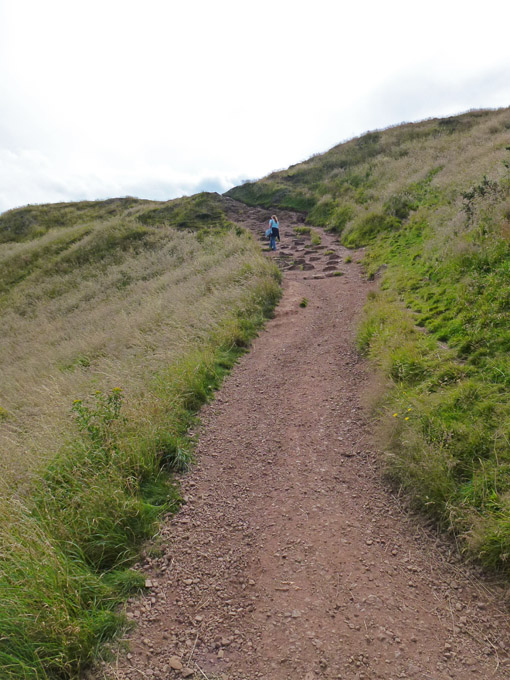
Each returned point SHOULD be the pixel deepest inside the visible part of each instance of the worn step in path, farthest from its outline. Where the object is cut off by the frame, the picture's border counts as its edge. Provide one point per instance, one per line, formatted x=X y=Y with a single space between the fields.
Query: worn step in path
x=291 y=560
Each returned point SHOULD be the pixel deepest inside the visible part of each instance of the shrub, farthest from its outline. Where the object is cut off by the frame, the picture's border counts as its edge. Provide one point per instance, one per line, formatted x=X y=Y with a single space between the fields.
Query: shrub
x=400 y=206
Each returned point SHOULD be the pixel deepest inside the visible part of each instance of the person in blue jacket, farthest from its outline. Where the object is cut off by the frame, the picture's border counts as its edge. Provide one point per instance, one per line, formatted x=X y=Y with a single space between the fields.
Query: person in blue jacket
x=274 y=225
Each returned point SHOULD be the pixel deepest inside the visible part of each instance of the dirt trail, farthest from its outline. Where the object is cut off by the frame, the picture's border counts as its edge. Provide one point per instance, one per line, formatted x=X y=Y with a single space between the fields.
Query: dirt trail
x=291 y=560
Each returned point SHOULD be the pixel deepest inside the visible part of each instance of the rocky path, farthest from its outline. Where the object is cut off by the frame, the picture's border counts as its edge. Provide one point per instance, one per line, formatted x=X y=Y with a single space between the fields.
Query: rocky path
x=291 y=560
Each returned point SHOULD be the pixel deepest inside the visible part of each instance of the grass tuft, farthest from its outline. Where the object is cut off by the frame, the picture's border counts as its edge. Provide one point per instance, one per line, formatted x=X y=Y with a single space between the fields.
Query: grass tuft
x=315 y=238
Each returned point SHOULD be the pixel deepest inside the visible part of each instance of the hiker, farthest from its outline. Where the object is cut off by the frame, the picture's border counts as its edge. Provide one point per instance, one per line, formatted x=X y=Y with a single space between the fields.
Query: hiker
x=274 y=226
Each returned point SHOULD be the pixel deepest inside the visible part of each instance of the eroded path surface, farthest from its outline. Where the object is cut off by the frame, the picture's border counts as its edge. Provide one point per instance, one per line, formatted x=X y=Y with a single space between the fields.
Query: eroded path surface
x=291 y=560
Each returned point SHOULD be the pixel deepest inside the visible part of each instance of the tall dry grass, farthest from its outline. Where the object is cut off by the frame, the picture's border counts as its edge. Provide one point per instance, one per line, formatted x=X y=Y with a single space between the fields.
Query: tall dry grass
x=68 y=330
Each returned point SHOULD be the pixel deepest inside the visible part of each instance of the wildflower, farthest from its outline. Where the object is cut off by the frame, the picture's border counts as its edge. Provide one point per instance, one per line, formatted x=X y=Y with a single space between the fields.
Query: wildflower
x=406 y=418
x=395 y=415
x=409 y=409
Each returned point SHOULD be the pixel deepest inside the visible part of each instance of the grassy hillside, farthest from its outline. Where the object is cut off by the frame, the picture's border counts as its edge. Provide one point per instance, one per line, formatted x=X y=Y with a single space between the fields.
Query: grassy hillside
x=118 y=320
x=120 y=317
x=431 y=201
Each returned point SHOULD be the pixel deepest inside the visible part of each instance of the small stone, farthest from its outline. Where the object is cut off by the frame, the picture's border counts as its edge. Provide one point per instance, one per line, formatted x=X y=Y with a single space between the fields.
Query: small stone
x=296 y=614
x=187 y=672
x=148 y=583
x=175 y=663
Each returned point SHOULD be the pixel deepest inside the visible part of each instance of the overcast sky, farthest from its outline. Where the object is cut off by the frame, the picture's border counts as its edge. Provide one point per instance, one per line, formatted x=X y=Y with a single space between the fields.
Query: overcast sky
x=157 y=98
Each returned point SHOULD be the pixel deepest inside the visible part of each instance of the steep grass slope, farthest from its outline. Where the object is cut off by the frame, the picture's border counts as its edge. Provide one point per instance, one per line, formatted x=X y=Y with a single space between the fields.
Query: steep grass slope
x=431 y=201
x=118 y=320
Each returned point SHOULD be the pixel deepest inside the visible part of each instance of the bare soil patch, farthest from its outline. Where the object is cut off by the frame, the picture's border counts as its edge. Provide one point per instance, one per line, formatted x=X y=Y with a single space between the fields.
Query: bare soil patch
x=290 y=559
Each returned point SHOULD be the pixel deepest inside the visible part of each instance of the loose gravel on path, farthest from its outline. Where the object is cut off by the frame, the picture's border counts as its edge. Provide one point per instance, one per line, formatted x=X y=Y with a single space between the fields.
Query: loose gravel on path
x=291 y=559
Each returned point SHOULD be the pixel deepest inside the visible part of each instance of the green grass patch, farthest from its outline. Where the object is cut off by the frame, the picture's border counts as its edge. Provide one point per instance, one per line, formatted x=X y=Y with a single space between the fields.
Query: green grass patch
x=197 y=212
x=340 y=218
x=438 y=330
x=268 y=193
x=369 y=226
x=300 y=231
x=315 y=238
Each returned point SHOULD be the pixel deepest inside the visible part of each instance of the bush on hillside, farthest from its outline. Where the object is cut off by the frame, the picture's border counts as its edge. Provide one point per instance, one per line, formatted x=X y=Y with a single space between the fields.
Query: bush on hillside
x=400 y=206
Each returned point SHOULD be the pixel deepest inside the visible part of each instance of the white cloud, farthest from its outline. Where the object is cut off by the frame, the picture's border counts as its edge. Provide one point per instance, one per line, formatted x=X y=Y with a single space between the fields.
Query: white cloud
x=113 y=97
x=31 y=177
